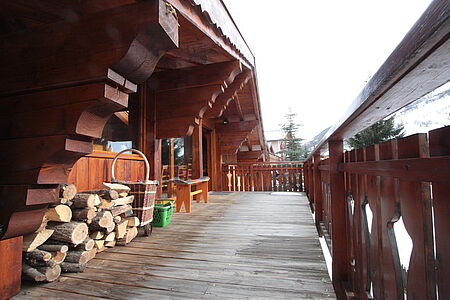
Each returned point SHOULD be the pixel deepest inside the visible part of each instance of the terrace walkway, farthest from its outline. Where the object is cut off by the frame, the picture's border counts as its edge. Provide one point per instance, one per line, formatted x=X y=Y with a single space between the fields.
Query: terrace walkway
x=239 y=246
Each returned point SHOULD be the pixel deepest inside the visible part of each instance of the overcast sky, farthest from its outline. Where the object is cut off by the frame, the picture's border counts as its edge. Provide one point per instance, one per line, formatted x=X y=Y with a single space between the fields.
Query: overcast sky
x=315 y=56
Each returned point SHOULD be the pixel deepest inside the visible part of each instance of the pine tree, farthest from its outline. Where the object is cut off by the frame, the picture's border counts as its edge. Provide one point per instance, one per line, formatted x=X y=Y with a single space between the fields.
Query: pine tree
x=293 y=150
x=379 y=132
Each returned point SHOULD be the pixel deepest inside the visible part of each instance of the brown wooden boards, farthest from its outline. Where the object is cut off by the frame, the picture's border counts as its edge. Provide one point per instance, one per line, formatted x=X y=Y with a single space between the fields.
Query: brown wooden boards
x=241 y=245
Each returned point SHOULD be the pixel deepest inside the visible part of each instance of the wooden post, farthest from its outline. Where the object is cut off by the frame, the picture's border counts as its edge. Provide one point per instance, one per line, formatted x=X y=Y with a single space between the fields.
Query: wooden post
x=11 y=267
x=338 y=224
x=197 y=151
x=317 y=190
x=151 y=145
x=171 y=168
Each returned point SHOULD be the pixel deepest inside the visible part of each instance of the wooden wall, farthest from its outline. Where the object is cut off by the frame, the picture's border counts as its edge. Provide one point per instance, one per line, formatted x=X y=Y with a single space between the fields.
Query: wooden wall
x=90 y=171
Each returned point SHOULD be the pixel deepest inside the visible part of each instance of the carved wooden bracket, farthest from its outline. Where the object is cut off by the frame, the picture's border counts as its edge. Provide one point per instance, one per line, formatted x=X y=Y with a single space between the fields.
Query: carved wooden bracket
x=53 y=102
x=128 y=39
x=232 y=135
x=224 y=99
x=183 y=96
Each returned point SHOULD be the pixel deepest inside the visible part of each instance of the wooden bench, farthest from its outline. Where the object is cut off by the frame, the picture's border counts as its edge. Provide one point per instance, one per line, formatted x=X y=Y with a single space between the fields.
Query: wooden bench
x=187 y=190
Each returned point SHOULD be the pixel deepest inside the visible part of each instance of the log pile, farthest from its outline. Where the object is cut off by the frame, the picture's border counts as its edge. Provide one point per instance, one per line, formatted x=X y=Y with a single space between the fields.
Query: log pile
x=75 y=230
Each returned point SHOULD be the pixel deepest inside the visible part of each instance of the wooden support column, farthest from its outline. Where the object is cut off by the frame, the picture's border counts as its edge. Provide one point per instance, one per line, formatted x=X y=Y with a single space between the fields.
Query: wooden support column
x=317 y=190
x=197 y=151
x=338 y=225
x=152 y=148
x=170 y=185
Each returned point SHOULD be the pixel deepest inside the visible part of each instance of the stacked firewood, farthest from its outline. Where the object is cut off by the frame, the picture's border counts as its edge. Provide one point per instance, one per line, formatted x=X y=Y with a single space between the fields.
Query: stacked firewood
x=75 y=230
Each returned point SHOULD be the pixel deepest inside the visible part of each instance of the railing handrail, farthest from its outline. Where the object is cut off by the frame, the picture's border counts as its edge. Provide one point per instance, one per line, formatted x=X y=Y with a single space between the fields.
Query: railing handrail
x=395 y=84
x=266 y=163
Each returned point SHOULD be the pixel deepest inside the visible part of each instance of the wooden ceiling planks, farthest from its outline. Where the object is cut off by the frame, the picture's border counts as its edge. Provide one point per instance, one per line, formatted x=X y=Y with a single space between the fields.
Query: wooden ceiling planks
x=185 y=95
x=234 y=134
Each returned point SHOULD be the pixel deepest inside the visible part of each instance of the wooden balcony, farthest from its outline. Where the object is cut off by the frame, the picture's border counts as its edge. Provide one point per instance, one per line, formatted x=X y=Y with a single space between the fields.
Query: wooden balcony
x=240 y=245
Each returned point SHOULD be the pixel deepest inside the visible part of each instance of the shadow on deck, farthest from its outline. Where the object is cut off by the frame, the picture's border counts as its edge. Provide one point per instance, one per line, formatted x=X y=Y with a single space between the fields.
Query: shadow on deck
x=238 y=246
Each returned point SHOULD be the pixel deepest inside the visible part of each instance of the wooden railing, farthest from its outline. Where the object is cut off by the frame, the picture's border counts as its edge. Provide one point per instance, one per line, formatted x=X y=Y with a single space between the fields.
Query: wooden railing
x=362 y=197
x=264 y=176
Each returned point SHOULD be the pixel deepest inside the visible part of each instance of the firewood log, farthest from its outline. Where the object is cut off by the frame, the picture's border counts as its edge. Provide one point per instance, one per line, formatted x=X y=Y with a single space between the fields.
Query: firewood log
x=103 y=219
x=123 y=200
x=68 y=267
x=111 y=228
x=63 y=200
x=129 y=236
x=72 y=232
x=59 y=213
x=40 y=274
x=104 y=193
x=117 y=219
x=38 y=255
x=120 y=188
x=80 y=257
x=85 y=245
x=51 y=273
x=99 y=244
x=110 y=236
x=84 y=214
x=43 y=224
x=34 y=240
x=118 y=210
x=105 y=204
x=123 y=194
x=35 y=263
x=121 y=229
x=85 y=200
x=53 y=248
x=67 y=191
x=110 y=244
x=58 y=257
x=96 y=235
x=31 y=274
x=132 y=221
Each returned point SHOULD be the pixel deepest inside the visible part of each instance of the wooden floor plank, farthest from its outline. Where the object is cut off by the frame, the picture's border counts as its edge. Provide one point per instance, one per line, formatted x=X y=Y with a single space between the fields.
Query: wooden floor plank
x=237 y=246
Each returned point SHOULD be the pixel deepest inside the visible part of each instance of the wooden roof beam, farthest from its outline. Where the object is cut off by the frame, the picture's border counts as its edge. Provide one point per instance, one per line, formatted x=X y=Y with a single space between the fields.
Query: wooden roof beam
x=228 y=95
x=183 y=96
x=33 y=60
x=249 y=155
x=219 y=73
x=233 y=135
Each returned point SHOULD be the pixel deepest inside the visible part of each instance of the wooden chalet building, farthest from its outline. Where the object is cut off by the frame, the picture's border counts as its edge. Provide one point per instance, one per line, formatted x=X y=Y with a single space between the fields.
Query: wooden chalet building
x=72 y=70
x=81 y=78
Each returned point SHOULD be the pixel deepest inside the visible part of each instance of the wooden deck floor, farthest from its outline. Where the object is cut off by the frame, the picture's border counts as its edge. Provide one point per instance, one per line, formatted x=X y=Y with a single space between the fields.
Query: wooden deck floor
x=238 y=246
